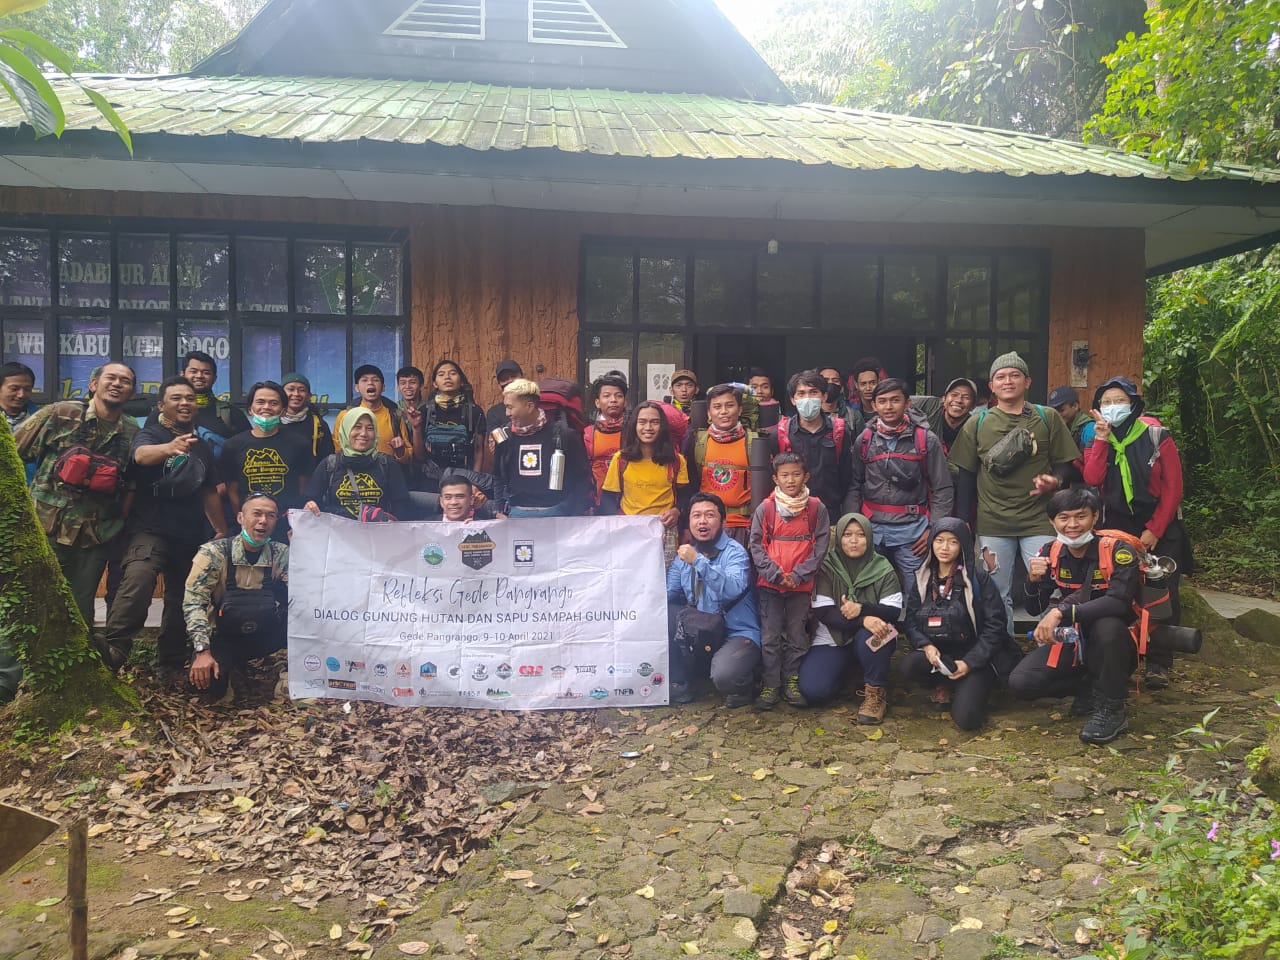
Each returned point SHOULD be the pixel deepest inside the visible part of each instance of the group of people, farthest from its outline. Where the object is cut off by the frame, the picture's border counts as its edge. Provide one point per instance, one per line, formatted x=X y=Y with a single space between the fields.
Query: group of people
x=798 y=552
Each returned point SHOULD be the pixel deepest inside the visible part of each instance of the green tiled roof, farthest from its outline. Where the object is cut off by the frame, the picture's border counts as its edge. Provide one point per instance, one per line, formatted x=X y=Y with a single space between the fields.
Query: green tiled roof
x=595 y=122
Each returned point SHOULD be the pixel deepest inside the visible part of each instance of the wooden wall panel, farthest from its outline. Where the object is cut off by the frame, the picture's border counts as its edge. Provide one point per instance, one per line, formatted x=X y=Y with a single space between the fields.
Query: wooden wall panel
x=490 y=283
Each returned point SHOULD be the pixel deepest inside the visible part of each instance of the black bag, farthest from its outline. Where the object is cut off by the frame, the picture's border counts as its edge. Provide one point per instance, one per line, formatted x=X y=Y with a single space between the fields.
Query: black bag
x=181 y=478
x=699 y=634
x=249 y=614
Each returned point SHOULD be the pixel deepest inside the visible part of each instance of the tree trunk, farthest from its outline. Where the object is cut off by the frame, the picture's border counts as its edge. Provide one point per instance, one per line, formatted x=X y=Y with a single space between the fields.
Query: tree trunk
x=39 y=621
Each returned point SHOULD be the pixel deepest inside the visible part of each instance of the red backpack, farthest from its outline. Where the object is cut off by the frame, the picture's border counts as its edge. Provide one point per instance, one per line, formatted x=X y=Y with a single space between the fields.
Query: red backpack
x=562 y=400
x=769 y=521
x=838 y=426
x=917 y=455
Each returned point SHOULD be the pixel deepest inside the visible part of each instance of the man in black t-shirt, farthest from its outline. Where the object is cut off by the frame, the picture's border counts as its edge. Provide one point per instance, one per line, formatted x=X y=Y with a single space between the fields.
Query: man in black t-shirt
x=175 y=484
x=265 y=460
x=496 y=416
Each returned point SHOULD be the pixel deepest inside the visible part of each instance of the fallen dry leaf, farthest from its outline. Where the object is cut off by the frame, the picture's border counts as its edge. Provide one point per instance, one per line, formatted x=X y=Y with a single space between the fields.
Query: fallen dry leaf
x=516 y=874
x=646 y=891
x=414 y=948
x=335 y=932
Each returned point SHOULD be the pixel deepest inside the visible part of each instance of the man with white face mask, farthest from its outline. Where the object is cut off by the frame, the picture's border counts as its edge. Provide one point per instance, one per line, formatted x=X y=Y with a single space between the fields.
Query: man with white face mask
x=1132 y=459
x=1080 y=581
x=822 y=440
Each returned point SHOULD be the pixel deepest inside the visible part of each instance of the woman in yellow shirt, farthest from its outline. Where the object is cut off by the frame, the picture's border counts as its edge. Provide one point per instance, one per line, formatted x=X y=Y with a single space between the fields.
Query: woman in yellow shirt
x=645 y=472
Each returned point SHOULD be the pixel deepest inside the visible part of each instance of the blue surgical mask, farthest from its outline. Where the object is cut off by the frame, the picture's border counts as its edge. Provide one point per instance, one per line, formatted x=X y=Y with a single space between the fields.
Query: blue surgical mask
x=252 y=543
x=1080 y=541
x=266 y=424
x=1115 y=413
x=809 y=407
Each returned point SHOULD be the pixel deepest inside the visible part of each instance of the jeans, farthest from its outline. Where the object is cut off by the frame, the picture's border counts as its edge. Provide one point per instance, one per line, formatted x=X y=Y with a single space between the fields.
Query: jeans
x=903 y=560
x=824 y=669
x=1110 y=657
x=969 y=694
x=1006 y=550
x=784 y=640
x=82 y=567
x=146 y=557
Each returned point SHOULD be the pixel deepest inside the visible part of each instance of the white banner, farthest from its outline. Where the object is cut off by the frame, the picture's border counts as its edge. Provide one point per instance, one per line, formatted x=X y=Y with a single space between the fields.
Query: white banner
x=540 y=614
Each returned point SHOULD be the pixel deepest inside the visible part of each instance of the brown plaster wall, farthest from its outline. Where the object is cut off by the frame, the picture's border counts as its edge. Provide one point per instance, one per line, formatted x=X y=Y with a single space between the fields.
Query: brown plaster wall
x=490 y=283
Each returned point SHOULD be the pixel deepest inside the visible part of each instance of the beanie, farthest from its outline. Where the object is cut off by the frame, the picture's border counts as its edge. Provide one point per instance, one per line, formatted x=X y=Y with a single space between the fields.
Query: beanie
x=296 y=378
x=1009 y=360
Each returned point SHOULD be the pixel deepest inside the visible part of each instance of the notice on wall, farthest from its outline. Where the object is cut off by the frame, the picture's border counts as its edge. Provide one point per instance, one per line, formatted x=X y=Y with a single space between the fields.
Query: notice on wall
x=541 y=614
x=658 y=380
x=598 y=368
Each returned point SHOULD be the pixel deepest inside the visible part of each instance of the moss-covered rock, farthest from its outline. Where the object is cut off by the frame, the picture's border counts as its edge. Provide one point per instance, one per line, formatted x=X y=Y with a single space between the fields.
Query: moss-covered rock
x=39 y=621
x=1223 y=644
x=1259 y=626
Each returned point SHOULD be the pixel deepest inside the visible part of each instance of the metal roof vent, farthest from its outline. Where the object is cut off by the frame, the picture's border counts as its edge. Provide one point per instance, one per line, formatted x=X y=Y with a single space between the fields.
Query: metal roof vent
x=447 y=19
x=571 y=22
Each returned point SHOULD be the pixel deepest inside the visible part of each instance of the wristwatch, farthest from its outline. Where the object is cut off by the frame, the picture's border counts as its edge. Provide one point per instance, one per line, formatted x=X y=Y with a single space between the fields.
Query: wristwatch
x=199 y=646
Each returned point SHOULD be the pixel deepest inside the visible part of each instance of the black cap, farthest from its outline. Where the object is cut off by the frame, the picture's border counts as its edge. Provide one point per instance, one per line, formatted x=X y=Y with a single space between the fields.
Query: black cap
x=1061 y=396
x=508 y=368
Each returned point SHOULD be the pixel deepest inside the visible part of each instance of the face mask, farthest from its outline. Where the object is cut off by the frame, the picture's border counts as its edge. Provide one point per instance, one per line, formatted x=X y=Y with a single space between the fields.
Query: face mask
x=265 y=423
x=809 y=407
x=1079 y=541
x=1114 y=413
x=254 y=544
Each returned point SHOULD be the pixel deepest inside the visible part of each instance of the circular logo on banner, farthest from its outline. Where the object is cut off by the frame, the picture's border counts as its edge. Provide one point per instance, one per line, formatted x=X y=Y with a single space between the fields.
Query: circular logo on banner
x=433 y=554
x=333 y=664
x=311 y=662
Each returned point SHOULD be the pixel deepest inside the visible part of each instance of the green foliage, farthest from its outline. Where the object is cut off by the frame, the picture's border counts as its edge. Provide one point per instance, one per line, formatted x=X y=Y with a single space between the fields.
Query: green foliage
x=1199 y=87
x=1031 y=65
x=1208 y=876
x=815 y=46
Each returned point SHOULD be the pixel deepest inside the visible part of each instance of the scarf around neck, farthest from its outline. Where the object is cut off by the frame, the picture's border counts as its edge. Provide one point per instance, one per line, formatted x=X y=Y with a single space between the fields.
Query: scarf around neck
x=736 y=432
x=891 y=433
x=288 y=417
x=449 y=404
x=850 y=574
x=609 y=424
x=176 y=428
x=791 y=506
x=533 y=428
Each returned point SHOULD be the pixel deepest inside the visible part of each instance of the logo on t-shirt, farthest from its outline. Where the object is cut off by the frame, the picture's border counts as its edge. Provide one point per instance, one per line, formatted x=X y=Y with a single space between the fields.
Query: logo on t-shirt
x=367 y=491
x=531 y=460
x=265 y=469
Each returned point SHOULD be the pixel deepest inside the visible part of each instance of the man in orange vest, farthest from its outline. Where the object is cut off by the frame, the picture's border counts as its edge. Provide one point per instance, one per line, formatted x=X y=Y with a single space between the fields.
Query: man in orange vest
x=1088 y=585
x=719 y=457
x=603 y=436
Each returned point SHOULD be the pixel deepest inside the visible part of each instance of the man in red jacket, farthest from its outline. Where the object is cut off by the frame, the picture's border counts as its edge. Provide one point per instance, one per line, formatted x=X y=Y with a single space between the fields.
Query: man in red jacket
x=1134 y=462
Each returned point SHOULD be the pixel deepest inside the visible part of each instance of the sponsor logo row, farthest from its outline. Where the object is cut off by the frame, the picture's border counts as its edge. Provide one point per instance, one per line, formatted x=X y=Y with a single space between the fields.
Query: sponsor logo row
x=493 y=693
x=404 y=672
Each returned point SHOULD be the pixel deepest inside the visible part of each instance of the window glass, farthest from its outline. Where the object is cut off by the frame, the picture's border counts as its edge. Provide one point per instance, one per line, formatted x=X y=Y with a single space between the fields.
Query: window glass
x=607 y=290
x=260 y=354
x=204 y=273
x=849 y=283
x=262 y=275
x=662 y=291
x=377 y=280
x=784 y=290
x=910 y=285
x=23 y=342
x=722 y=290
x=661 y=355
x=83 y=344
x=320 y=277
x=601 y=352
x=381 y=344
x=24 y=268
x=969 y=293
x=1018 y=305
x=84 y=270
x=144 y=271
x=320 y=352
x=144 y=350
x=214 y=338
x=960 y=357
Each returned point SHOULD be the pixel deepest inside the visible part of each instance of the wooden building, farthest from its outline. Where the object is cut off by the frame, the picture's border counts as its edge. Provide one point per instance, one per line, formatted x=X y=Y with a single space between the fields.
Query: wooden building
x=577 y=185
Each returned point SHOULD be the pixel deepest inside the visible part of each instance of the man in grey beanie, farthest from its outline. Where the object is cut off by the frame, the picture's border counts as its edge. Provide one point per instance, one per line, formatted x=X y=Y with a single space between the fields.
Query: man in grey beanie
x=1006 y=458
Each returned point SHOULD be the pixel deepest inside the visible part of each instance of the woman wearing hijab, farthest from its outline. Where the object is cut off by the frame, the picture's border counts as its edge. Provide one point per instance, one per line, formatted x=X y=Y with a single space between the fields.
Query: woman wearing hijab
x=344 y=483
x=956 y=624
x=857 y=598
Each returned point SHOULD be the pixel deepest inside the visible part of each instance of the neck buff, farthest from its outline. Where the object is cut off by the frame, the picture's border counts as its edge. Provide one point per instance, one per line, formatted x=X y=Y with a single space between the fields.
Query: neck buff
x=736 y=432
x=791 y=506
x=177 y=428
x=251 y=543
x=288 y=417
x=891 y=432
x=533 y=428
x=446 y=403
x=609 y=424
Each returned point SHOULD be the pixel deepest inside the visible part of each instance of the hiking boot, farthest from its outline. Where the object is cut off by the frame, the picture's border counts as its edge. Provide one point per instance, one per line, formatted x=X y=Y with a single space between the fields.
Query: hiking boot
x=1082 y=705
x=875 y=701
x=735 y=700
x=682 y=692
x=1109 y=720
x=1157 y=677
x=113 y=656
x=768 y=699
x=940 y=697
x=791 y=692
x=172 y=676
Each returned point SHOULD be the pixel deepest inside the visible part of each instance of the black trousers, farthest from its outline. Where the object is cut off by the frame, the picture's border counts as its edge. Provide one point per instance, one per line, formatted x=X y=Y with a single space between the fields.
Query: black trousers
x=783 y=638
x=969 y=694
x=235 y=653
x=1110 y=657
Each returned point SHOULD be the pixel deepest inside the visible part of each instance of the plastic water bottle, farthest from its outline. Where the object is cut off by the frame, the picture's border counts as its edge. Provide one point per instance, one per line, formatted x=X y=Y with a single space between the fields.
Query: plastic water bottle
x=557 y=468
x=1070 y=635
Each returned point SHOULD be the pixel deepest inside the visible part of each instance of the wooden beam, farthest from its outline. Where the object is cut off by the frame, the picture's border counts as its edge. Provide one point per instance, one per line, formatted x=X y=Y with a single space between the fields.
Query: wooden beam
x=77 y=882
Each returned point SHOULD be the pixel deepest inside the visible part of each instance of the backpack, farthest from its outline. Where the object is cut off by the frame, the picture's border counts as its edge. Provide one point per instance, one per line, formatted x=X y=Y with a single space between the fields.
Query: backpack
x=1154 y=601
x=918 y=454
x=678 y=421
x=562 y=401
x=700 y=448
x=452 y=442
x=249 y=614
x=838 y=426
x=770 y=519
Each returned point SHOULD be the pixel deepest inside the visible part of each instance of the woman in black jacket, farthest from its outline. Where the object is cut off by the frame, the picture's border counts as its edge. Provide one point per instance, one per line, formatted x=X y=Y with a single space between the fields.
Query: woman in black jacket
x=957 y=627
